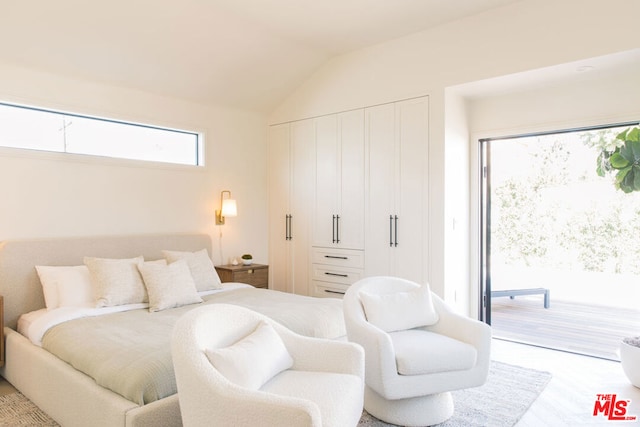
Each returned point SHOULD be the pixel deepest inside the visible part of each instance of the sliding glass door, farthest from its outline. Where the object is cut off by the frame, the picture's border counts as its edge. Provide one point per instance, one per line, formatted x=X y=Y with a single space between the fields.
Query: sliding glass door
x=560 y=253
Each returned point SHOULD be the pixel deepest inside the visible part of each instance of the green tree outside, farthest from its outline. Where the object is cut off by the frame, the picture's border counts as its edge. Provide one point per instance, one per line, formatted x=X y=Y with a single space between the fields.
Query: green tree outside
x=550 y=207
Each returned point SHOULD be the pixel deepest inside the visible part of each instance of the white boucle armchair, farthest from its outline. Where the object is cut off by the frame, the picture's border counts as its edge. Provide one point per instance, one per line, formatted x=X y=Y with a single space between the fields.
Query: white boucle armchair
x=323 y=386
x=409 y=372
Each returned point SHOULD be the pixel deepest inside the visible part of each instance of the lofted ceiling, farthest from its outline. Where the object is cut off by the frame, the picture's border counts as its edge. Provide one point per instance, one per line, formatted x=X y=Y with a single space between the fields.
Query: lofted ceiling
x=247 y=54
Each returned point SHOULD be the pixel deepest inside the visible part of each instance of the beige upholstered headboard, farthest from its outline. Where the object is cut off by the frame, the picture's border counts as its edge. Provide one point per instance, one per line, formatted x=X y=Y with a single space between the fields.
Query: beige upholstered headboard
x=19 y=283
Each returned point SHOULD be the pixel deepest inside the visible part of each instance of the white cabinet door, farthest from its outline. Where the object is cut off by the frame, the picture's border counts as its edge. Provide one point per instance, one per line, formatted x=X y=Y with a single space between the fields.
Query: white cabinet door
x=381 y=171
x=339 y=190
x=302 y=162
x=411 y=240
x=350 y=230
x=396 y=225
x=326 y=182
x=290 y=174
x=280 y=273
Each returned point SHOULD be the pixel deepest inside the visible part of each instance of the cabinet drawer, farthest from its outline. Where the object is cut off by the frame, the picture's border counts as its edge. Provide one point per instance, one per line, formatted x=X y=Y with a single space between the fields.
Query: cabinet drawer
x=255 y=277
x=328 y=290
x=343 y=275
x=338 y=257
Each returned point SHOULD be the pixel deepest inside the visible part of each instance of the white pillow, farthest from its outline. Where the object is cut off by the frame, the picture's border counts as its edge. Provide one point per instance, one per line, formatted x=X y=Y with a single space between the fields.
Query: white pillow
x=65 y=286
x=202 y=269
x=400 y=310
x=168 y=286
x=116 y=281
x=254 y=360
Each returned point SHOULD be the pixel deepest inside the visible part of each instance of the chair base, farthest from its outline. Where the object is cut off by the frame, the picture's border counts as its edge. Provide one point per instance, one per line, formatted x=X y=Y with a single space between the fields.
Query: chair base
x=414 y=411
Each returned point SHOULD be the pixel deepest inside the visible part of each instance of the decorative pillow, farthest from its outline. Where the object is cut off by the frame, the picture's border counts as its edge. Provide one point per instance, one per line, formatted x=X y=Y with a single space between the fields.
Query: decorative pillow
x=116 y=281
x=254 y=360
x=401 y=310
x=168 y=286
x=65 y=286
x=202 y=270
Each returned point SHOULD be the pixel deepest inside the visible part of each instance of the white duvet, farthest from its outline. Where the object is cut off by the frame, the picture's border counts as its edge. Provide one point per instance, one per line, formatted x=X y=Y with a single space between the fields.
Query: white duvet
x=127 y=350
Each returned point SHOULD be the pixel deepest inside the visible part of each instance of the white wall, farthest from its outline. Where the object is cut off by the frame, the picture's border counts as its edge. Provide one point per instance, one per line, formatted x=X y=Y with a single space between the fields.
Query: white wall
x=522 y=36
x=58 y=195
x=601 y=98
x=457 y=179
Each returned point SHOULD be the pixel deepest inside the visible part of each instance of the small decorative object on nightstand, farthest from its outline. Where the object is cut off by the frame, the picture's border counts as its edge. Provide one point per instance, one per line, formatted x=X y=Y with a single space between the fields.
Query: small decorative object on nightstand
x=256 y=275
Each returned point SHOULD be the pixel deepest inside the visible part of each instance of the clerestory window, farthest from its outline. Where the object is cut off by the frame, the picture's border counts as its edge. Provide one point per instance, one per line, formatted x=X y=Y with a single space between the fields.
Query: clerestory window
x=40 y=129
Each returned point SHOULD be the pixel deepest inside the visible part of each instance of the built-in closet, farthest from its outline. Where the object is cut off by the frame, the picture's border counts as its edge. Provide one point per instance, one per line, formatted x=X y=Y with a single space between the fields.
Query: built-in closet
x=348 y=198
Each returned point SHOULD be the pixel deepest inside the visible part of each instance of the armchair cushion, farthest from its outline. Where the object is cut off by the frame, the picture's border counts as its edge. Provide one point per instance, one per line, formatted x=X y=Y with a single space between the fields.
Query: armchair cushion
x=253 y=360
x=420 y=352
x=399 y=310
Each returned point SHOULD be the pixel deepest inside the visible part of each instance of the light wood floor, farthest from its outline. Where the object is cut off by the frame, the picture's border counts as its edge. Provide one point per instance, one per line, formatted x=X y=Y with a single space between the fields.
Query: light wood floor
x=581 y=328
x=569 y=397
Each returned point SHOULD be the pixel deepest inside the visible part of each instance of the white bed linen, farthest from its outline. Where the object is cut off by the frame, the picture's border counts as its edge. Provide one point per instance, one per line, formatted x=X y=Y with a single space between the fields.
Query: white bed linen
x=35 y=324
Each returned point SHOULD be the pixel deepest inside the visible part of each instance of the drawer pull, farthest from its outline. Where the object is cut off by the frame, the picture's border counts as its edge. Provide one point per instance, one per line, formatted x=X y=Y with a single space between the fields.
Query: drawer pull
x=336 y=274
x=336 y=257
x=333 y=292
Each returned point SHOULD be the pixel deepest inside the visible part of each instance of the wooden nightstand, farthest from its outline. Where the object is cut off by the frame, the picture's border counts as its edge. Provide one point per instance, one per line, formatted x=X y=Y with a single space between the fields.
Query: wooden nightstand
x=255 y=274
x=1 y=331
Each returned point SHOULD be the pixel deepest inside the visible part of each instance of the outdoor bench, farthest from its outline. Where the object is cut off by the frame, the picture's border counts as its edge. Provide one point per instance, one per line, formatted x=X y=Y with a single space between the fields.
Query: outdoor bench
x=512 y=293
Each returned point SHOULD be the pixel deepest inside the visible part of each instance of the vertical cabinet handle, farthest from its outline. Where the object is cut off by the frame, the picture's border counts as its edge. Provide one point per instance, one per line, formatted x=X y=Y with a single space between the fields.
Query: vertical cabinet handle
x=290 y=227
x=287 y=227
x=396 y=230
x=393 y=230
x=390 y=230
x=333 y=228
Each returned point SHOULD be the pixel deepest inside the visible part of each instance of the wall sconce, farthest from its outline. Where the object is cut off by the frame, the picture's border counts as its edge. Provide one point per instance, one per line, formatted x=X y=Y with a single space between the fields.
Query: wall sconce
x=228 y=207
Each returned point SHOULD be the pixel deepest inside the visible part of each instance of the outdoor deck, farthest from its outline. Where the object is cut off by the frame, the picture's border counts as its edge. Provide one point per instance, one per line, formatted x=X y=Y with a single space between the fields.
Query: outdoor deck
x=579 y=328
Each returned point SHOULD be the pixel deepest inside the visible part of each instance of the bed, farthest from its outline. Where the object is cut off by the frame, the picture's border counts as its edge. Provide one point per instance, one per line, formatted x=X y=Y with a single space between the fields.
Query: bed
x=74 y=398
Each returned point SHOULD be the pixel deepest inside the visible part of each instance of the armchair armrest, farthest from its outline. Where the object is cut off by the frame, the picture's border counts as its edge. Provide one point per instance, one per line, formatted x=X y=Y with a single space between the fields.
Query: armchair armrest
x=465 y=329
x=324 y=355
x=380 y=365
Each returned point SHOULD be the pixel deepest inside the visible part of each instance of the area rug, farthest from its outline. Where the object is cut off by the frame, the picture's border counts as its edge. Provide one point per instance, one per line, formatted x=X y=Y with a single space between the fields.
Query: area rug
x=500 y=402
x=17 y=410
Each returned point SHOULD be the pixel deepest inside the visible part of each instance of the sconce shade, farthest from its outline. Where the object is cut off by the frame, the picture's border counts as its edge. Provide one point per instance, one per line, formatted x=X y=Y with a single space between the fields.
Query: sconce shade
x=228 y=207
